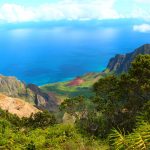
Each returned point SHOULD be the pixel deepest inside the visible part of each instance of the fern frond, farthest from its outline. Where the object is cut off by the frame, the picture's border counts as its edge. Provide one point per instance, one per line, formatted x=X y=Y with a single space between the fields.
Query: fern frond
x=117 y=139
x=140 y=139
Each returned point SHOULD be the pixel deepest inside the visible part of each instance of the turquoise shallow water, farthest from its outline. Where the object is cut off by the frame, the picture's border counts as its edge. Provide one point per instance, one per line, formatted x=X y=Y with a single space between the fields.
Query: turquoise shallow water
x=56 y=52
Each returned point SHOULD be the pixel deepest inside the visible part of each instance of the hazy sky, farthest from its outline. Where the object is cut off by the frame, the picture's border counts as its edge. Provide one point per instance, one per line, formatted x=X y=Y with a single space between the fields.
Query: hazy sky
x=47 y=10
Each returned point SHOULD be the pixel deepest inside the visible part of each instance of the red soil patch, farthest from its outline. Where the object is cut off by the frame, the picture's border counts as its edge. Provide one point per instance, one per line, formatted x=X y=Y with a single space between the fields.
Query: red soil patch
x=76 y=82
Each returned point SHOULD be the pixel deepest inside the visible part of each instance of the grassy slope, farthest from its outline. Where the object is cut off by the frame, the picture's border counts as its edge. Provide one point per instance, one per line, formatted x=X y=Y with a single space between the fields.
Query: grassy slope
x=63 y=91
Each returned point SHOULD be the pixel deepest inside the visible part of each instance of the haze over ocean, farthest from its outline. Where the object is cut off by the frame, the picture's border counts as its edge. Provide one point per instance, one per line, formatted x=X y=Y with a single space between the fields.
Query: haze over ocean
x=45 y=41
x=56 y=52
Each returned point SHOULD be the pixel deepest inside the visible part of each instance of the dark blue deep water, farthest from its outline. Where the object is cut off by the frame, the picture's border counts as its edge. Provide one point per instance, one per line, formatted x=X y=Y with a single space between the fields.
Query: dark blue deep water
x=50 y=53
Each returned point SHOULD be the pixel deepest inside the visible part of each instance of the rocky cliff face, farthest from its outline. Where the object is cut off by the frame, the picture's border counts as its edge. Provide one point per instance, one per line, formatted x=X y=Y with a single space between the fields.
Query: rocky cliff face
x=121 y=63
x=12 y=87
x=43 y=100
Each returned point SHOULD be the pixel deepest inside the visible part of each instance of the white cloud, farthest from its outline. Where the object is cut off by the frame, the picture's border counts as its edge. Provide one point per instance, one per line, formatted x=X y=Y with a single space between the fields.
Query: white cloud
x=142 y=1
x=140 y=13
x=73 y=10
x=142 y=28
x=15 y=13
x=64 y=9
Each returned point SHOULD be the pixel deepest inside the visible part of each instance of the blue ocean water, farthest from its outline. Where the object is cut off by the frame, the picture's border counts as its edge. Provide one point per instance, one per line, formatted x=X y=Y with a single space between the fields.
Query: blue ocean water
x=49 y=53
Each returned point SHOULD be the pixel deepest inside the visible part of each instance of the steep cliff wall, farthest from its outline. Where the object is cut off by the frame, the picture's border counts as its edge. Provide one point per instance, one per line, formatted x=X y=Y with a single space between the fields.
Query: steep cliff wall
x=121 y=63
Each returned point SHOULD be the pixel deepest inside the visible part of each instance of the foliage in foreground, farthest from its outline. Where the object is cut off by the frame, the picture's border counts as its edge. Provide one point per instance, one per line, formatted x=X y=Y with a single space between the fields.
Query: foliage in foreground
x=36 y=137
x=139 y=139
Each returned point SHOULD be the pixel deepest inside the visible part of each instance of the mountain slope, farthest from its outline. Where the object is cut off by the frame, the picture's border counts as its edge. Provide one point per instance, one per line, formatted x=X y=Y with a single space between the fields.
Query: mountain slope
x=42 y=99
x=121 y=63
x=17 y=106
x=79 y=86
x=12 y=87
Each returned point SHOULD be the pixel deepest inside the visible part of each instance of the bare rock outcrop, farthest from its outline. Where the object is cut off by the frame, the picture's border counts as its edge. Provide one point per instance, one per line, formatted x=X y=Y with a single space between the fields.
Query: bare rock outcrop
x=17 y=106
x=43 y=100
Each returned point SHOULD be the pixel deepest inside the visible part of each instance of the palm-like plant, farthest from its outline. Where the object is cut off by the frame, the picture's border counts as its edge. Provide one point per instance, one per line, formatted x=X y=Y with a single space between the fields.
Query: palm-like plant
x=138 y=140
x=117 y=139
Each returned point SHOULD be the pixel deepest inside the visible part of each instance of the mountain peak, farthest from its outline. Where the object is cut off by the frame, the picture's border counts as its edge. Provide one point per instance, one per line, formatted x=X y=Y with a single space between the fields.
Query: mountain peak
x=121 y=63
x=143 y=49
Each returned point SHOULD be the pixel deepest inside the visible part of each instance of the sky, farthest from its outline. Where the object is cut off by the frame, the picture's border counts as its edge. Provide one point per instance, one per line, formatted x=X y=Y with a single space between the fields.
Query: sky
x=48 y=10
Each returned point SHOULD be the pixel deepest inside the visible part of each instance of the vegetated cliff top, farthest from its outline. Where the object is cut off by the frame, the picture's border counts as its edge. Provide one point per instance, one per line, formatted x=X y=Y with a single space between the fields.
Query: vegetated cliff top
x=121 y=63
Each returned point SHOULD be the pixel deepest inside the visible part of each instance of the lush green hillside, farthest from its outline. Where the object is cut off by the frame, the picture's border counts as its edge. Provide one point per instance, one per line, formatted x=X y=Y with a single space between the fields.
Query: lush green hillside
x=63 y=90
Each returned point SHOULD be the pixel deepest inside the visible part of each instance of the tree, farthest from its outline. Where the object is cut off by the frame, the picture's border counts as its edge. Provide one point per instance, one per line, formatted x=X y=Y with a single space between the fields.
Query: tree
x=139 y=79
x=40 y=120
x=75 y=106
x=121 y=98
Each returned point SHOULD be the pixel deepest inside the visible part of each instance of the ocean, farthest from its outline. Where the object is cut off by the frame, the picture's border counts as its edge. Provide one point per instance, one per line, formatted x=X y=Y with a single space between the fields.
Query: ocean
x=52 y=52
